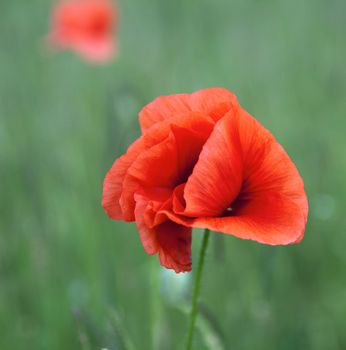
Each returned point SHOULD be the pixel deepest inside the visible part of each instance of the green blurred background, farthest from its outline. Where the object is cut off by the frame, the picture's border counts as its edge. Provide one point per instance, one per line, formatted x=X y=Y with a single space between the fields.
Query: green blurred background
x=73 y=279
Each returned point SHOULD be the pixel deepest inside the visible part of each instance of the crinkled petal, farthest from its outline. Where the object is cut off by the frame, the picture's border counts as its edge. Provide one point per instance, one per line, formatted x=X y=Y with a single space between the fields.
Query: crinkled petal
x=214 y=102
x=162 y=108
x=271 y=207
x=147 y=235
x=270 y=220
x=171 y=241
x=217 y=177
x=155 y=167
x=175 y=246
x=113 y=182
x=167 y=163
x=161 y=138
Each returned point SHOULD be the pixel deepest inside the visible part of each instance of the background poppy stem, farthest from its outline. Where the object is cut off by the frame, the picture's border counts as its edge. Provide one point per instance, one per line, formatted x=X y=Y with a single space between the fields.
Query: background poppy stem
x=196 y=288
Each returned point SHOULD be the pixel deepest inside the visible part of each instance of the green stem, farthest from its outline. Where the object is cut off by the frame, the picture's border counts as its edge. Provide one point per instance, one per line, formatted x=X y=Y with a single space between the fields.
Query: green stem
x=196 y=289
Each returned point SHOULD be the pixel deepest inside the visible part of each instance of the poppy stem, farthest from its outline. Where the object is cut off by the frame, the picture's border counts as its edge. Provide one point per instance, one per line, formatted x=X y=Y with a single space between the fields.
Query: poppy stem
x=196 y=288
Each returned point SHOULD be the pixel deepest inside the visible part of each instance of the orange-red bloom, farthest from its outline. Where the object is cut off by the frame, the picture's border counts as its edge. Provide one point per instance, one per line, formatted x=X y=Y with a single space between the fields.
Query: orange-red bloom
x=86 y=27
x=203 y=161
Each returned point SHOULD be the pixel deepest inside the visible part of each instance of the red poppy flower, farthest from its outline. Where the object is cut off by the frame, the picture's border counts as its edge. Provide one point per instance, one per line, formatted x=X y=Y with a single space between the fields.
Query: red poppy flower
x=203 y=161
x=86 y=27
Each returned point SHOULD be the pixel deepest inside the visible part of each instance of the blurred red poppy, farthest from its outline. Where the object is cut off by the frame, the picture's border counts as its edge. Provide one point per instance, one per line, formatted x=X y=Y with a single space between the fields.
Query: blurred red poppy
x=203 y=161
x=86 y=27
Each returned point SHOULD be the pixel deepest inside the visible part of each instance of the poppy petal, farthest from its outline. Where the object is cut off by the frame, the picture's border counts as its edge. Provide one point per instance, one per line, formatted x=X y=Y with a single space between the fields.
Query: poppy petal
x=162 y=108
x=216 y=179
x=146 y=234
x=112 y=185
x=272 y=220
x=272 y=206
x=86 y=26
x=214 y=102
x=170 y=240
x=96 y=50
x=177 y=153
x=146 y=172
x=175 y=246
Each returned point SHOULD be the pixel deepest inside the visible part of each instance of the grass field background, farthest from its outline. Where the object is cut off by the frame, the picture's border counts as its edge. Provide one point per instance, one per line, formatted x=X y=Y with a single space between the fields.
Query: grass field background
x=72 y=279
